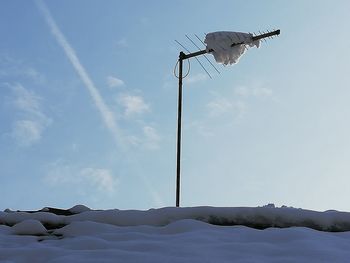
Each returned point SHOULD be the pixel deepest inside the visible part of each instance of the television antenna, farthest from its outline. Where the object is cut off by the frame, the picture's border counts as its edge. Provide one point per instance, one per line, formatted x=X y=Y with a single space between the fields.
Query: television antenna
x=239 y=41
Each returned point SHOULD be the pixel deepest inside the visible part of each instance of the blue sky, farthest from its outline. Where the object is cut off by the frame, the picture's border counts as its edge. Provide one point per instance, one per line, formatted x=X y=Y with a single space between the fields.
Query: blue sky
x=88 y=105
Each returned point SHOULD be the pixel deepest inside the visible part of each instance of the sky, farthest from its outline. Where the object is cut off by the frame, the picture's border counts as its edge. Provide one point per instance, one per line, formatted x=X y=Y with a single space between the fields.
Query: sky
x=88 y=105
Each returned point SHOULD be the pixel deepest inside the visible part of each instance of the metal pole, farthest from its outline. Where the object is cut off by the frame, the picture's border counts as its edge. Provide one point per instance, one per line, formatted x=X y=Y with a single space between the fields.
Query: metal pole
x=179 y=119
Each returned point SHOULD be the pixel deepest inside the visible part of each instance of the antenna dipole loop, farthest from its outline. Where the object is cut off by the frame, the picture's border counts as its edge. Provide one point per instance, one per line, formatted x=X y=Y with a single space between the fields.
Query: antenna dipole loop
x=188 y=71
x=206 y=71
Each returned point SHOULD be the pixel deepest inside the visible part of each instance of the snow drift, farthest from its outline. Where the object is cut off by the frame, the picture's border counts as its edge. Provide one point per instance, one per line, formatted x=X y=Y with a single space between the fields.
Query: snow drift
x=255 y=217
x=228 y=47
x=198 y=234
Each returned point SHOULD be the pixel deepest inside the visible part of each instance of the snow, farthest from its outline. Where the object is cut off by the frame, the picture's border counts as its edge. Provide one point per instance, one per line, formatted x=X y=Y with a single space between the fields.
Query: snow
x=29 y=227
x=196 y=234
x=220 y=45
x=258 y=217
x=77 y=209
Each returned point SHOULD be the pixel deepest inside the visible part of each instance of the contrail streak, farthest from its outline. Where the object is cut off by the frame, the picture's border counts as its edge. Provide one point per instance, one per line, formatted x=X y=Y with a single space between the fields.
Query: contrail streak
x=106 y=114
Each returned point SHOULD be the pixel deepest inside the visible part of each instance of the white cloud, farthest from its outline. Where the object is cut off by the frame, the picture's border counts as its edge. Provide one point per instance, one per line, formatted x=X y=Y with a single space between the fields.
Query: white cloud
x=134 y=140
x=220 y=106
x=27 y=132
x=133 y=104
x=195 y=78
x=34 y=74
x=169 y=82
x=106 y=114
x=259 y=92
x=242 y=91
x=101 y=178
x=204 y=131
x=201 y=127
x=240 y=108
x=152 y=138
x=262 y=92
x=123 y=42
x=113 y=82
x=30 y=128
x=85 y=180
x=26 y=100
x=10 y=67
x=238 y=103
x=75 y=147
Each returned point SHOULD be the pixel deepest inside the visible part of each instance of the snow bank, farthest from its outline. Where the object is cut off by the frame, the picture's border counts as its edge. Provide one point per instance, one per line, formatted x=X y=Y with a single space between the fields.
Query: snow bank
x=88 y=228
x=77 y=209
x=29 y=227
x=12 y=218
x=197 y=234
x=186 y=240
x=220 y=45
x=256 y=217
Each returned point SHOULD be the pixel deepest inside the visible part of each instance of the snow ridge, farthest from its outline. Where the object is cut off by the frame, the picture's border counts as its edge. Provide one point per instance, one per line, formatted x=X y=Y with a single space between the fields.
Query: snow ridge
x=255 y=217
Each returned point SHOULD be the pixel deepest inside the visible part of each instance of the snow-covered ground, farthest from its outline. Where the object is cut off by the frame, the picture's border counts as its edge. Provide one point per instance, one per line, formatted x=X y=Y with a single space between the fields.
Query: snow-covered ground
x=198 y=234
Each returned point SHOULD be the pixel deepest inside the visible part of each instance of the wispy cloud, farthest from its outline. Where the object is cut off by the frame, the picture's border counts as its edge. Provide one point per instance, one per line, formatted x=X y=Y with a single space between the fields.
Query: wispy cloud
x=169 y=84
x=83 y=179
x=200 y=77
x=113 y=82
x=133 y=104
x=101 y=178
x=230 y=108
x=14 y=68
x=34 y=74
x=261 y=92
x=152 y=138
x=25 y=100
x=242 y=91
x=201 y=127
x=29 y=129
x=27 y=132
x=106 y=114
x=238 y=102
x=149 y=139
x=220 y=106
x=122 y=43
